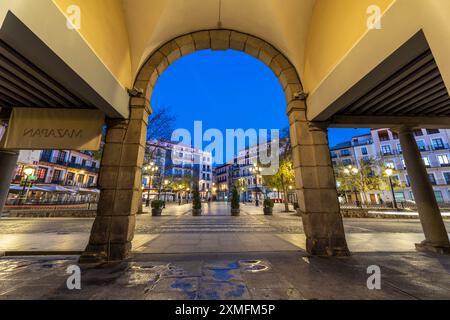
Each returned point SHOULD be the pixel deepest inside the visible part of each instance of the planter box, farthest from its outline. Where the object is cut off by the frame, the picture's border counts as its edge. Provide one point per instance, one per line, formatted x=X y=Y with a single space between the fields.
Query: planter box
x=156 y=212
x=196 y=212
x=268 y=211
x=235 y=212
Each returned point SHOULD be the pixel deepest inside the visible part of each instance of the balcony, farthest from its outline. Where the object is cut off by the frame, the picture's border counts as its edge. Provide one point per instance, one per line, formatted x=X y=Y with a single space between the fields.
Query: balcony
x=82 y=167
x=444 y=146
x=362 y=143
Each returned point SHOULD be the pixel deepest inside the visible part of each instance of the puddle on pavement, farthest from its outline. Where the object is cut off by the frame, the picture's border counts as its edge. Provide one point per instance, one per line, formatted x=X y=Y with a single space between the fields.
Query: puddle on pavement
x=220 y=280
x=254 y=266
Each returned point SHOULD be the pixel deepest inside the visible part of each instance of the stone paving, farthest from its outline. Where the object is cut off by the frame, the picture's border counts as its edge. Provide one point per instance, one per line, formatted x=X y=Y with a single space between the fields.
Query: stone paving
x=217 y=256
x=231 y=277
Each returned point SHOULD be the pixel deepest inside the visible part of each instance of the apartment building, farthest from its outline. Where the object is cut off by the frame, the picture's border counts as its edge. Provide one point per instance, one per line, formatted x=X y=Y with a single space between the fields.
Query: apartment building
x=61 y=167
x=384 y=145
x=223 y=181
x=178 y=161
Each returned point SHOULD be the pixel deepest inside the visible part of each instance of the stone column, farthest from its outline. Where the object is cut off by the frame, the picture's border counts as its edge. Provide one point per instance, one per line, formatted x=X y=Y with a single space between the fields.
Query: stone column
x=316 y=185
x=8 y=161
x=120 y=184
x=436 y=238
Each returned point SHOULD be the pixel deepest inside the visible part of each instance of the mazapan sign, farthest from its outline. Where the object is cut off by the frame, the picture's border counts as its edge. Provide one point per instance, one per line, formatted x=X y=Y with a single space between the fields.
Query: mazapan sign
x=73 y=129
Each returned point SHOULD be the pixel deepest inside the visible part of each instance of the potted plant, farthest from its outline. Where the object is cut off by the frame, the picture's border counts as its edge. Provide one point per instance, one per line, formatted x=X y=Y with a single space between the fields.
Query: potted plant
x=235 y=203
x=157 y=206
x=196 y=203
x=268 y=207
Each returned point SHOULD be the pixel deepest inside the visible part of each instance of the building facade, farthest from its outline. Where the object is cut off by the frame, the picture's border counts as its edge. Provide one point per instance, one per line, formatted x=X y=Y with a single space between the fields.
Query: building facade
x=177 y=162
x=223 y=181
x=384 y=146
x=60 y=167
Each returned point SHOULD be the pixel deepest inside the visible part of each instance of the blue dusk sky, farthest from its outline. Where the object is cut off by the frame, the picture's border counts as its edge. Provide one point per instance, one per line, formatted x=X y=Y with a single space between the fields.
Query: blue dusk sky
x=227 y=90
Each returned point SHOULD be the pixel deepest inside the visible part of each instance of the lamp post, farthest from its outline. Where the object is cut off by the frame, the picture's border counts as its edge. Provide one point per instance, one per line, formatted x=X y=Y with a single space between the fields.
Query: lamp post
x=353 y=171
x=256 y=171
x=166 y=183
x=180 y=187
x=389 y=172
x=151 y=168
x=27 y=172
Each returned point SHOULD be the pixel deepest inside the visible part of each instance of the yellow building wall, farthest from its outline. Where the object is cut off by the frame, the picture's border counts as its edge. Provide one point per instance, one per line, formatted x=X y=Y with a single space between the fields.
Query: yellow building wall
x=336 y=26
x=104 y=29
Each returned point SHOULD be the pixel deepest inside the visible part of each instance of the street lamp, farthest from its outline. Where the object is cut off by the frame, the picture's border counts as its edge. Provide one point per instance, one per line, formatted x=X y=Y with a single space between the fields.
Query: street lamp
x=389 y=172
x=256 y=170
x=151 y=169
x=27 y=172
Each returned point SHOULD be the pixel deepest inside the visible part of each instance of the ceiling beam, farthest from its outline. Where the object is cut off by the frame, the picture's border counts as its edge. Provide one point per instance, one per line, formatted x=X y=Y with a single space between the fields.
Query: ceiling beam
x=346 y=121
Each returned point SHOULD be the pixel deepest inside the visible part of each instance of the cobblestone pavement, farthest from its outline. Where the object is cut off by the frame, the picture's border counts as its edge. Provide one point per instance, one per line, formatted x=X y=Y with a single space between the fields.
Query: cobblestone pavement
x=230 y=276
x=217 y=256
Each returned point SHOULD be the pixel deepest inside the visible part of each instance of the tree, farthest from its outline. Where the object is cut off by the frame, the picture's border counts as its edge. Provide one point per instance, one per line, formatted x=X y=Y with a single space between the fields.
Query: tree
x=282 y=178
x=160 y=124
x=196 y=202
x=235 y=199
x=362 y=179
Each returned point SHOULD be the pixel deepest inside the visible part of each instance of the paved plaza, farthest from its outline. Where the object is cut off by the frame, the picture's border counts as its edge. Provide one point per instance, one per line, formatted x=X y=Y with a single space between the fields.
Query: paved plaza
x=216 y=256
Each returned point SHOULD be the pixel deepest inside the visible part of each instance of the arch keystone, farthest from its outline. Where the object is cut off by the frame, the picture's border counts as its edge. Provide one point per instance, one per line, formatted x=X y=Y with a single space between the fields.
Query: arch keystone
x=220 y=40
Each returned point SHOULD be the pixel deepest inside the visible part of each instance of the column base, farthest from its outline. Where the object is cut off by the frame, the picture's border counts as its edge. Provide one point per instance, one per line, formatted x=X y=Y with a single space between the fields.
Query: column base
x=335 y=247
x=426 y=246
x=106 y=253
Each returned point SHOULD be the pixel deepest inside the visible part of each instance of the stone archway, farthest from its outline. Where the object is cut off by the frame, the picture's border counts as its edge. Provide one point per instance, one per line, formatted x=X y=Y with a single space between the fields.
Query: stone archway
x=120 y=175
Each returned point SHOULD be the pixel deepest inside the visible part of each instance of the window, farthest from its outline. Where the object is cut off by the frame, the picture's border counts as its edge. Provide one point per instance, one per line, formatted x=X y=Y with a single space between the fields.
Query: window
x=386 y=150
x=56 y=175
x=408 y=182
x=345 y=153
x=418 y=132
x=347 y=162
x=389 y=164
x=426 y=161
x=73 y=159
x=400 y=196
x=383 y=135
x=439 y=196
x=447 y=177
x=432 y=131
x=395 y=135
x=364 y=151
x=70 y=176
x=403 y=163
x=83 y=162
x=399 y=148
x=41 y=173
x=62 y=156
x=438 y=144
x=443 y=160
x=46 y=155
x=80 y=178
x=91 y=180
x=432 y=179
x=421 y=145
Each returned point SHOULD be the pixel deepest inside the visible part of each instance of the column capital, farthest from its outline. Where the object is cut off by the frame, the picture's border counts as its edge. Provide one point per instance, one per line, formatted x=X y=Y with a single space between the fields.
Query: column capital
x=319 y=126
x=295 y=105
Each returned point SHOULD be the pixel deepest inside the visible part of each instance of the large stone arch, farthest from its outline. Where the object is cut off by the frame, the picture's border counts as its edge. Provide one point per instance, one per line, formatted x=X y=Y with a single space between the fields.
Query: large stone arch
x=120 y=175
x=168 y=53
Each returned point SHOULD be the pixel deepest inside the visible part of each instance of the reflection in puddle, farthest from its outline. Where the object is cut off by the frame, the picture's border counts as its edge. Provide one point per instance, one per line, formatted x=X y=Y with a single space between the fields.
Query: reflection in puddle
x=253 y=266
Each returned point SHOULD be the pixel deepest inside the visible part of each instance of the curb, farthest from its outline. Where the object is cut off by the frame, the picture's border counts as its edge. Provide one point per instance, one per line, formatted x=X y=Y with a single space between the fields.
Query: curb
x=39 y=253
